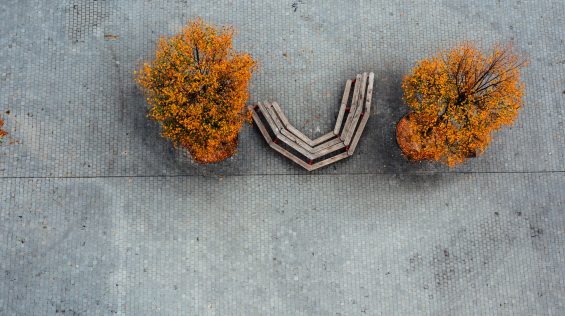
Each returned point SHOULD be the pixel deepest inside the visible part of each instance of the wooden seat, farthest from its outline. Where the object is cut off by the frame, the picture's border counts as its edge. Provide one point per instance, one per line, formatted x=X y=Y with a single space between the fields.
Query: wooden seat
x=336 y=145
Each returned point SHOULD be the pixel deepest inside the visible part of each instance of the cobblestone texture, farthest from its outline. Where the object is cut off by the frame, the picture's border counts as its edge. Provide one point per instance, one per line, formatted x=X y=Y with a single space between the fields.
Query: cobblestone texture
x=100 y=215
x=286 y=245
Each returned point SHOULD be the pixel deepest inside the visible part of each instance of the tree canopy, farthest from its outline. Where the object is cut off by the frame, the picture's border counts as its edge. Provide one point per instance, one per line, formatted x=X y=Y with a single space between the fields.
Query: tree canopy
x=457 y=99
x=2 y=132
x=197 y=87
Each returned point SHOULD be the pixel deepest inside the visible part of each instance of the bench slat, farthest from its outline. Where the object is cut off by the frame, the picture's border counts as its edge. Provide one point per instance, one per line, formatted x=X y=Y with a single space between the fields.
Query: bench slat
x=358 y=109
x=296 y=147
x=309 y=148
x=312 y=143
x=326 y=144
x=280 y=113
x=274 y=116
x=292 y=157
x=267 y=116
x=299 y=134
x=323 y=138
x=347 y=130
x=311 y=156
x=330 y=149
x=344 y=100
x=291 y=136
x=328 y=161
x=352 y=106
x=260 y=125
x=357 y=136
x=289 y=126
x=276 y=147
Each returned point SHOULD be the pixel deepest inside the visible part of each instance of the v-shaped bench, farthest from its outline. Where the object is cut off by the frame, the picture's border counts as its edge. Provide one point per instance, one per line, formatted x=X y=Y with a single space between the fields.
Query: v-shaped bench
x=326 y=149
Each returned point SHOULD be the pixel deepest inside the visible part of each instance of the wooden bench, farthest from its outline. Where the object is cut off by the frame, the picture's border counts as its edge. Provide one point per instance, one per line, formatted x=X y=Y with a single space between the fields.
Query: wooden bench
x=336 y=145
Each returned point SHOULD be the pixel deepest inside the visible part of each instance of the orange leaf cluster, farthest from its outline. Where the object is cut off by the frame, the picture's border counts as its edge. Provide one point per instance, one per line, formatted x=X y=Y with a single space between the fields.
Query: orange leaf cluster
x=197 y=87
x=2 y=132
x=458 y=98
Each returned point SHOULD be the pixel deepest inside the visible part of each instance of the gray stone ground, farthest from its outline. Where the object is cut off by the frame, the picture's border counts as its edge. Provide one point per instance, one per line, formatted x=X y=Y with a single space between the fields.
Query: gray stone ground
x=99 y=215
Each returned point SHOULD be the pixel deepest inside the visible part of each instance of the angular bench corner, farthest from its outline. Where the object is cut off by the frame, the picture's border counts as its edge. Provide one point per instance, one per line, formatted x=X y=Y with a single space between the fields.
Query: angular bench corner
x=338 y=144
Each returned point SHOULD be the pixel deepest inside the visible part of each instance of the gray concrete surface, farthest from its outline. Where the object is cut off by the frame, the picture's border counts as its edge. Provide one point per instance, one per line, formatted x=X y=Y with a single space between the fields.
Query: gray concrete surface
x=99 y=215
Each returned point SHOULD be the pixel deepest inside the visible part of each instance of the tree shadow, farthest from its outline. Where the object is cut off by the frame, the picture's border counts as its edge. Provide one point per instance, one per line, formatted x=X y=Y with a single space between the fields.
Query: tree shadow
x=159 y=153
x=389 y=108
x=383 y=150
x=161 y=156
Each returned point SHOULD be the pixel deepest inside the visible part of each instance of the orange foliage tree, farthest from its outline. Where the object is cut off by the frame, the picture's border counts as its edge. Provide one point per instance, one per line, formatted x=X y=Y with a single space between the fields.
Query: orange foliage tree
x=457 y=99
x=197 y=87
x=2 y=132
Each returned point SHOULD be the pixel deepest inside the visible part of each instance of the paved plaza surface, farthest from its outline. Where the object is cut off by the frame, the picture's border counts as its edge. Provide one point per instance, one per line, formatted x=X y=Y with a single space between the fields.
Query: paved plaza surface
x=99 y=215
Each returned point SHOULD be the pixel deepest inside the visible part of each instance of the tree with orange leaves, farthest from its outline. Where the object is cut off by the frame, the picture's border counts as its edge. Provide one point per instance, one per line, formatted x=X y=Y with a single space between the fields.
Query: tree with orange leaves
x=197 y=87
x=2 y=132
x=457 y=99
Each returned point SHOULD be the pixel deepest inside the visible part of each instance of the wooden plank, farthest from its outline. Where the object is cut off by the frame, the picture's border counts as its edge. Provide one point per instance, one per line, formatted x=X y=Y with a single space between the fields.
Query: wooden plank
x=369 y=97
x=276 y=147
x=274 y=116
x=299 y=134
x=358 y=110
x=326 y=144
x=323 y=138
x=303 y=138
x=313 y=150
x=286 y=136
x=369 y=93
x=260 y=125
x=328 y=161
x=280 y=113
x=292 y=157
x=350 y=129
x=280 y=136
x=289 y=126
x=267 y=116
x=353 y=105
x=296 y=147
x=290 y=135
x=357 y=135
x=329 y=150
x=344 y=100
x=276 y=120
x=365 y=116
x=298 y=141
x=309 y=152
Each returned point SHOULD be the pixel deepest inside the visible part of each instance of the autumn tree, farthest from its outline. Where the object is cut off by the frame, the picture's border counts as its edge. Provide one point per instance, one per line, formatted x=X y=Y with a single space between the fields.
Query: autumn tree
x=457 y=99
x=2 y=132
x=197 y=87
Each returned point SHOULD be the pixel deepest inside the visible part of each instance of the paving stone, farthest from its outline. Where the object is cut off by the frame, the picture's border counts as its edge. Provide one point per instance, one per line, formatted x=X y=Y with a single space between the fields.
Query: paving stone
x=284 y=245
